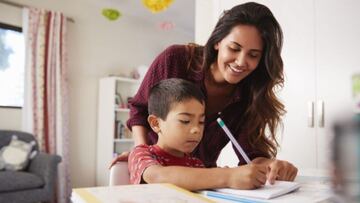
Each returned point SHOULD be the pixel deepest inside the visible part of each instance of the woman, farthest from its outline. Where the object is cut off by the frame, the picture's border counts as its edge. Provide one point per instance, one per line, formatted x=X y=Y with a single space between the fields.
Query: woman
x=238 y=70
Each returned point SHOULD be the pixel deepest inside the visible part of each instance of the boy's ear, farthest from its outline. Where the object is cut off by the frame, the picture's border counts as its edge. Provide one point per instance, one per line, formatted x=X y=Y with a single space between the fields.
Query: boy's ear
x=154 y=123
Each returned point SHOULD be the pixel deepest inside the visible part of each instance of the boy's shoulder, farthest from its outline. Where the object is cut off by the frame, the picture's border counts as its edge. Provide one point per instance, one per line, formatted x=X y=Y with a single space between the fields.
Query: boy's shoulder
x=153 y=152
x=143 y=150
x=140 y=148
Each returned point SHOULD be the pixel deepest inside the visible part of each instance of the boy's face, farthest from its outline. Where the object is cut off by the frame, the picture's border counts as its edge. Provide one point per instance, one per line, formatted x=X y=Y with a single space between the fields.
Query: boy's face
x=183 y=127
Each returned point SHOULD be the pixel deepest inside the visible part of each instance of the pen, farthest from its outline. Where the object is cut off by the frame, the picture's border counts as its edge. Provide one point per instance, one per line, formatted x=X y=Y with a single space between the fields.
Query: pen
x=233 y=140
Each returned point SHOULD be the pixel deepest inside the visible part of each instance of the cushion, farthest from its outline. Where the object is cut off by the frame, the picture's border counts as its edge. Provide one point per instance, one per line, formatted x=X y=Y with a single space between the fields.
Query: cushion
x=18 y=180
x=15 y=156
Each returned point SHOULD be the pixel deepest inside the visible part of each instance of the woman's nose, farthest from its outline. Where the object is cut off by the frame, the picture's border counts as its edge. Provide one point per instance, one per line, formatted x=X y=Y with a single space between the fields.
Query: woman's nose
x=240 y=59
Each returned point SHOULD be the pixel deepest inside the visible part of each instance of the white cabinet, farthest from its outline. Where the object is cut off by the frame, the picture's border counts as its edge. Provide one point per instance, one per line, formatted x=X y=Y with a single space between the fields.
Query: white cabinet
x=112 y=137
x=320 y=53
x=337 y=53
x=318 y=84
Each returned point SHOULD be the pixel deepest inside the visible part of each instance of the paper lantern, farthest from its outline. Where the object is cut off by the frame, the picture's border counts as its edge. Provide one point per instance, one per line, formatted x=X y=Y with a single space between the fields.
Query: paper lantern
x=156 y=6
x=111 y=14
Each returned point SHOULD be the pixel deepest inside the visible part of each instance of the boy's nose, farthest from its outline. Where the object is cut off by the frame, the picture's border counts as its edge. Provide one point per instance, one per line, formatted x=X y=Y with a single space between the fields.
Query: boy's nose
x=195 y=129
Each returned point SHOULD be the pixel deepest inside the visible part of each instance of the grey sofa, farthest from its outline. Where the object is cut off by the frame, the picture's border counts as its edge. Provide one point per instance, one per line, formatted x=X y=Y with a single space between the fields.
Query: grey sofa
x=36 y=183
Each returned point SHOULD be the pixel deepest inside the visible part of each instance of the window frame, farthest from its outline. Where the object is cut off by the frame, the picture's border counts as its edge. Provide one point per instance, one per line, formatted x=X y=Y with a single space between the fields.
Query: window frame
x=18 y=29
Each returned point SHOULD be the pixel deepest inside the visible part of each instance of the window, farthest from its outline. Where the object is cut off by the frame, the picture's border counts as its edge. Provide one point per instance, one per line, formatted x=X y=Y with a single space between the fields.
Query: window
x=12 y=57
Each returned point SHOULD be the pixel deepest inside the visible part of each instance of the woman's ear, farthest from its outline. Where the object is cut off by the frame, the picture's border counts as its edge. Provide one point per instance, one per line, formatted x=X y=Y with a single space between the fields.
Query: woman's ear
x=154 y=123
x=216 y=46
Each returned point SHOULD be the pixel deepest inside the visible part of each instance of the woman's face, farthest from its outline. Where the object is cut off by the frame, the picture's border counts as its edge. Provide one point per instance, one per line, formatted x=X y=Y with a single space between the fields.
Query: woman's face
x=239 y=53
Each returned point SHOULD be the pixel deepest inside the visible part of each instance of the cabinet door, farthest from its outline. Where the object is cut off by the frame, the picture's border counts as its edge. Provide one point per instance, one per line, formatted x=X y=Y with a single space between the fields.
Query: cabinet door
x=297 y=139
x=337 y=59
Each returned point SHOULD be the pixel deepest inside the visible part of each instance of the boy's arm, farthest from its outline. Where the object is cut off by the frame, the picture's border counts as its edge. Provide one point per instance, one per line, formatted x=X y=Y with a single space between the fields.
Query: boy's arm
x=244 y=177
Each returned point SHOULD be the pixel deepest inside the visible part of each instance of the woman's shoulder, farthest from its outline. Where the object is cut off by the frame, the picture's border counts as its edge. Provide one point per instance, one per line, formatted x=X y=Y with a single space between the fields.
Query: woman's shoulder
x=182 y=48
x=176 y=49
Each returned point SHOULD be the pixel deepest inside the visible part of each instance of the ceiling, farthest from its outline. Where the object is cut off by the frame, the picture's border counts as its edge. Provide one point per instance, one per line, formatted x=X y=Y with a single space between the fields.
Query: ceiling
x=181 y=12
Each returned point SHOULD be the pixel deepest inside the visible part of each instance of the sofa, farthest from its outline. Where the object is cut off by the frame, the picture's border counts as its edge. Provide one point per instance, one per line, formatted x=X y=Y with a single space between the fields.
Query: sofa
x=36 y=183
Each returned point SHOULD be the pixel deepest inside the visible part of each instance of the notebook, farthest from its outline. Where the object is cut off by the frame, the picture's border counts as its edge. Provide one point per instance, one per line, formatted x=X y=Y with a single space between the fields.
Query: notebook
x=136 y=193
x=266 y=192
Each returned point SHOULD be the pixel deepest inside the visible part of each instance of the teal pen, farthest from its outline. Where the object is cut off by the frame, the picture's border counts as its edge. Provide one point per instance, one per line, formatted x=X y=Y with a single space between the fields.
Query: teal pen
x=233 y=140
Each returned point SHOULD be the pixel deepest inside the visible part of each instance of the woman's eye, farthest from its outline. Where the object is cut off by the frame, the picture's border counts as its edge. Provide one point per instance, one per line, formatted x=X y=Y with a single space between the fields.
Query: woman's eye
x=184 y=121
x=234 y=49
x=254 y=55
x=201 y=122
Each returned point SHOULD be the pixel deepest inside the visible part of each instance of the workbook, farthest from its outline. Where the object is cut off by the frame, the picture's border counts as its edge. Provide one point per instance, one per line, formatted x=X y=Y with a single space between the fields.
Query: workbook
x=159 y=193
x=267 y=191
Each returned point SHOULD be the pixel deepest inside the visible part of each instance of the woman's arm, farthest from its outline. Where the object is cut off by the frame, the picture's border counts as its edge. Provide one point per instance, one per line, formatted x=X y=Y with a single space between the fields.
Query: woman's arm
x=139 y=134
x=166 y=65
x=278 y=169
x=244 y=177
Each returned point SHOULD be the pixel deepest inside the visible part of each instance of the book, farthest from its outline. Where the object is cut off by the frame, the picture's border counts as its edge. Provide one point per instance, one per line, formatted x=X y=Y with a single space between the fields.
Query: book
x=136 y=193
x=268 y=191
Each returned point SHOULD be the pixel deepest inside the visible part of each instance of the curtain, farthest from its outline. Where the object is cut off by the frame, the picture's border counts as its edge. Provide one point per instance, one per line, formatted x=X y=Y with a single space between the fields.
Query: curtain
x=45 y=112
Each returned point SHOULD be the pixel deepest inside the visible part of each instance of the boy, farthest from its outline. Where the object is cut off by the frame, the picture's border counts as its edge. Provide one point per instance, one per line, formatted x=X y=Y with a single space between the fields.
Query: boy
x=177 y=114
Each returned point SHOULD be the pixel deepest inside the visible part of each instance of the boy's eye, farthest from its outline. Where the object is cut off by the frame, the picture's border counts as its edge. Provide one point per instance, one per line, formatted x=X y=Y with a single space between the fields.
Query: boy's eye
x=184 y=121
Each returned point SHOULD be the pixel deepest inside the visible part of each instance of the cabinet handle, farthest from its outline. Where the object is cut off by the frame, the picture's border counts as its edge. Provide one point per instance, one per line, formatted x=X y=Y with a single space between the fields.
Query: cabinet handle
x=321 y=117
x=311 y=114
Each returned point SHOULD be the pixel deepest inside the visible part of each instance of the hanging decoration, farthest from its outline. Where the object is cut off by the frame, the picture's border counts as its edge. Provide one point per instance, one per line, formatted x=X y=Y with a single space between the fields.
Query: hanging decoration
x=111 y=14
x=166 y=25
x=156 y=6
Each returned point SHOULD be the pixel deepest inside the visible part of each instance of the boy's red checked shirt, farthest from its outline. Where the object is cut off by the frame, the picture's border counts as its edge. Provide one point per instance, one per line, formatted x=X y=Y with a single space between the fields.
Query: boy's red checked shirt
x=143 y=156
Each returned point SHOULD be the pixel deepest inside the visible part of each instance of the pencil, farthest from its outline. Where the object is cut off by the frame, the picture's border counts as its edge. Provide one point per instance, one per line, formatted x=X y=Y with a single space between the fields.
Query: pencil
x=233 y=140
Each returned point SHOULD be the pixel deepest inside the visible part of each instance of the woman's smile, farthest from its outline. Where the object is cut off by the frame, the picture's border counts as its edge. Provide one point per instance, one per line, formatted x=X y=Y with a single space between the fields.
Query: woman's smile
x=236 y=69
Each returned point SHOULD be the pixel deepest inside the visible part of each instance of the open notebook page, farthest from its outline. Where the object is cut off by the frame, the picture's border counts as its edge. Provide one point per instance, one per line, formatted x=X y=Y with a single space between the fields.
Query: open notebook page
x=266 y=192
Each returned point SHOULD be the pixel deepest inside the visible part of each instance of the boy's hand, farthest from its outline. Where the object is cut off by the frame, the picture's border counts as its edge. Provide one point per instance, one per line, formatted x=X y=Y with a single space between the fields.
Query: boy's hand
x=122 y=157
x=247 y=177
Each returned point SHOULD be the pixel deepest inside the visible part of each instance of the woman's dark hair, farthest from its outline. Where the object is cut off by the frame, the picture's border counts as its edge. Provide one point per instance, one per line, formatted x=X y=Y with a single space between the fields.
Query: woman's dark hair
x=170 y=91
x=262 y=109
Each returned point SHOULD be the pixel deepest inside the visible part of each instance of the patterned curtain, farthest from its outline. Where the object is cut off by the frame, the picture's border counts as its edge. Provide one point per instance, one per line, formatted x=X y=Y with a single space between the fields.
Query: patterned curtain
x=45 y=112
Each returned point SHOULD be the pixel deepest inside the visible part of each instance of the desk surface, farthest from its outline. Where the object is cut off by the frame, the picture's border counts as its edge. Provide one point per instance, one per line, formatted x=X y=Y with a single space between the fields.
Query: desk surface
x=313 y=189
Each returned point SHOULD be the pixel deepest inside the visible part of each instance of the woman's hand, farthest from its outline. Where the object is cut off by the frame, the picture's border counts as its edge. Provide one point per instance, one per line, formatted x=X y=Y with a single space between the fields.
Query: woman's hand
x=122 y=157
x=247 y=177
x=139 y=136
x=278 y=169
x=281 y=170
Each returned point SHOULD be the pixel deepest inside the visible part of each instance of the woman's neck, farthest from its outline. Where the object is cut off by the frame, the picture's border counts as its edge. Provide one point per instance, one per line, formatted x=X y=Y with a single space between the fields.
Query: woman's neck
x=216 y=84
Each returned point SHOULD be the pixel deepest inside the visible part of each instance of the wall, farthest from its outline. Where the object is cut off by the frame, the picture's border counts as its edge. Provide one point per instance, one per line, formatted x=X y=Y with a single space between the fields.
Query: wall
x=205 y=19
x=97 y=48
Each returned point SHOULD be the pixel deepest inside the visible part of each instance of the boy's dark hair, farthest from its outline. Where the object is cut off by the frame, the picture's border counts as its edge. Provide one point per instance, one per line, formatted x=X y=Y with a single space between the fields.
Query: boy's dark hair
x=170 y=91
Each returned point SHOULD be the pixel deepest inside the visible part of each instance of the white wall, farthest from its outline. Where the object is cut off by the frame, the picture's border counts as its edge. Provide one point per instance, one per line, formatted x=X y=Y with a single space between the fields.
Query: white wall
x=206 y=16
x=96 y=48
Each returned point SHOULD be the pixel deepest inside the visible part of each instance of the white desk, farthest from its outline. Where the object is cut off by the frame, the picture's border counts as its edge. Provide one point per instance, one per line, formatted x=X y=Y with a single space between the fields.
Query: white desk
x=315 y=187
